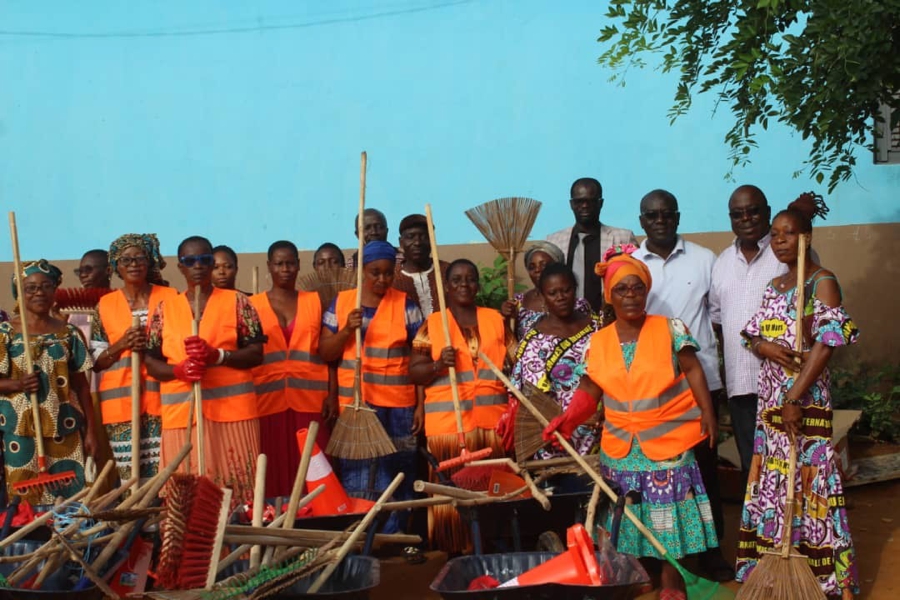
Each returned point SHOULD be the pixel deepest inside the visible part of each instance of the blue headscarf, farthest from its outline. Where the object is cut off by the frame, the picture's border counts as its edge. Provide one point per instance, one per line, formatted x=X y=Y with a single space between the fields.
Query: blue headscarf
x=37 y=266
x=378 y=251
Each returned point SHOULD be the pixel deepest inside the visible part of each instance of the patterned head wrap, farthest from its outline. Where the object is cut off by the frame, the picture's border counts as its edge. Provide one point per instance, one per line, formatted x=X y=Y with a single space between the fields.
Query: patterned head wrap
x=38 y=266
x=617 y=265
x=378 y=251
x=548 y=248
x=147 y=242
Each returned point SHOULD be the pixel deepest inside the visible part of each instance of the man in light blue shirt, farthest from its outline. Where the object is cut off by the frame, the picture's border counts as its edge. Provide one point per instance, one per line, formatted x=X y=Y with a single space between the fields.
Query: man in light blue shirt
x=682 y=276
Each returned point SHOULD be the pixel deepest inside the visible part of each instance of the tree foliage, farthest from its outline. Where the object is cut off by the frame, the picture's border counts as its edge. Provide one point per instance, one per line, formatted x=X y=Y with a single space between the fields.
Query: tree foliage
x=819 y=66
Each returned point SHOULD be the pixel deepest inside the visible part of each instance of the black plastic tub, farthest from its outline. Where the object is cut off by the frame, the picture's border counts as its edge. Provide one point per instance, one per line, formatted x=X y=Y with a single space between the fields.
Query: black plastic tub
x=353 y=579
x=58 y=586
x=453 y=580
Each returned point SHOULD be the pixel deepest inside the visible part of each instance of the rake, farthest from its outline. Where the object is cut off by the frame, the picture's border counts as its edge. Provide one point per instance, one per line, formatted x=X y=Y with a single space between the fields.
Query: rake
x=43 y=481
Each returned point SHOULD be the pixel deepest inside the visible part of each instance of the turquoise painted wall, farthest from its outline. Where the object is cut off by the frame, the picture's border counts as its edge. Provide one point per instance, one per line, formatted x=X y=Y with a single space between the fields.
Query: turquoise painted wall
x=243 y=121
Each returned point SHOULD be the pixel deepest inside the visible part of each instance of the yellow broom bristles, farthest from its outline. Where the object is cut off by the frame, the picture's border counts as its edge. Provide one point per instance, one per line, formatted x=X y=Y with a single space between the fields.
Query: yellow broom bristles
x=505 y=222
x=358 y=435
x=328 y=283
x=778 y=578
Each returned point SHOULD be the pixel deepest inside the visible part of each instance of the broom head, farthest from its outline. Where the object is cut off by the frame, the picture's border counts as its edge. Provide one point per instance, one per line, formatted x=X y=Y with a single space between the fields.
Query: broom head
x=44 y=482
x=778 y=578
x=79 y=299
x=359 y=435
x=528 y=430
x=505 y=222
x=327 y=283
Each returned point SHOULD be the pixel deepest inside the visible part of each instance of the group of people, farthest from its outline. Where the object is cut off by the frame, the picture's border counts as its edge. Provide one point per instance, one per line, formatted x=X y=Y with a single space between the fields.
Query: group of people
x=622 y=336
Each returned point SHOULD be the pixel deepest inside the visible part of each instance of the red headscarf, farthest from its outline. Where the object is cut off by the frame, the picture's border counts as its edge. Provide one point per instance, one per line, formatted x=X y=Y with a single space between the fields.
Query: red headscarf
x=618 y=264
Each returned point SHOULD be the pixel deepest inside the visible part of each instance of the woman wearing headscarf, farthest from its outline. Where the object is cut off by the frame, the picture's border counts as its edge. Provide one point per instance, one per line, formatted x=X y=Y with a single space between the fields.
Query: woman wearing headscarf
x=292 y=384
x=795 y=408
x=389 y=321
x=230 y=343
x=482 y=396
x=529 y=306
x=136 y=259
x=657 y=407
x=61 y=360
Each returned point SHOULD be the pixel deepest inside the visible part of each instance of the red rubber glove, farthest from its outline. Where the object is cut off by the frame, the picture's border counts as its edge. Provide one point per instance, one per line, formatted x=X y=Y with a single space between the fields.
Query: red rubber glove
x=506 y=425
x=189 y=370
x=580 y=409
x=198 y=350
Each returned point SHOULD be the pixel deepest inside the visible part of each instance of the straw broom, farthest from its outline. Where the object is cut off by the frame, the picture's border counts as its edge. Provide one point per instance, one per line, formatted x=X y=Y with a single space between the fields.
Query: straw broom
x=328 y=283
x=505 y=223
x=786 y=574
x=357 y=433
x=528 y=430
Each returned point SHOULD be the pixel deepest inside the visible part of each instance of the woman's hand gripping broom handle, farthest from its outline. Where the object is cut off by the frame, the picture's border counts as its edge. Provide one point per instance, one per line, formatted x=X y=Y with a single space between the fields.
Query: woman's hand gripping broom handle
x=575 y=455
x=135 y=406
x=464 y=455
x=29 y=362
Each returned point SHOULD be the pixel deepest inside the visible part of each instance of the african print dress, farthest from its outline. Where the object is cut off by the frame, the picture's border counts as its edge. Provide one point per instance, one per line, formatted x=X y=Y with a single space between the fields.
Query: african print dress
x=57 y=355
x=820 y=530
x=555 y=365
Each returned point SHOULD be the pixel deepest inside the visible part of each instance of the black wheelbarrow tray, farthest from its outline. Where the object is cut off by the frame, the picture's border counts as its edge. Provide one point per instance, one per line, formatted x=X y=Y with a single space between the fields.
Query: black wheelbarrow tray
x=58 y=586
x=453 y=580
x=353 y=579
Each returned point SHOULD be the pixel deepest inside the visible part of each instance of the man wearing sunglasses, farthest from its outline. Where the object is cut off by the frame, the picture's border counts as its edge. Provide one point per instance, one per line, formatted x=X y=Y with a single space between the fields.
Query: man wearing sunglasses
x=585 y=242
x=682 y=276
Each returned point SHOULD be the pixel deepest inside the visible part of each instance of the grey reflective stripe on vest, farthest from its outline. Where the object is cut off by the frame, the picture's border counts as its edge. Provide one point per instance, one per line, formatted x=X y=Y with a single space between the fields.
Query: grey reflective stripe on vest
x=492 y=400
x=270 y=386
x=306 y=384
x=216 y=393
x=151 y=385
x=346 y=392
x=398 y=352
x=120 y=364
x=347 y=364
x=274 y=357
x=439 y=407
x=115 y=393
x=666 y=396
x=304 y=356
x=487 y=375
x=464 y=377
x=377 y=379
x=654 y=432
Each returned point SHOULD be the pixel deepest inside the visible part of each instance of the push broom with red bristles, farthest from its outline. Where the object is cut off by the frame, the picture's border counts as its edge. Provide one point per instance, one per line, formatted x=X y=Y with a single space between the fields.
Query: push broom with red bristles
x=465 y=456
x=43 y=481
x=73 y=300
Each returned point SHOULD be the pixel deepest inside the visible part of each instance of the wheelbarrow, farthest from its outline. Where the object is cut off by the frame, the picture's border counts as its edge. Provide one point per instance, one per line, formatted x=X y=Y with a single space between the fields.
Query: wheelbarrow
x=354 y=578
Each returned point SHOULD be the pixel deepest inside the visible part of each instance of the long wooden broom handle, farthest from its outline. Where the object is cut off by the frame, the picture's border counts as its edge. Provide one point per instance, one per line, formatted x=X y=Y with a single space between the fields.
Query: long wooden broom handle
x=574 y=454
x=198 y=392
x=357 y=389
x=445 y=322
x=135 y=406
x=787 y=534
x=29 y=363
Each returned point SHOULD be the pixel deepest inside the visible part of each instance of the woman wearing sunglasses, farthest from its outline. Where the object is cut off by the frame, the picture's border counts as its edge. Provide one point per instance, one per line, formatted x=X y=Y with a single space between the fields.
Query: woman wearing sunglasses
x=61 y=360
x=135 y=258
x=220 y=358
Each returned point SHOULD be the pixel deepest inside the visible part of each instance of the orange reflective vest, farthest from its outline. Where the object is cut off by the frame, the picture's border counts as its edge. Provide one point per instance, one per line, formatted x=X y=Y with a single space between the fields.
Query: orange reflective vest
x=228 y=394
x=385 y=354
x=115 y=382
x=648 y=401
x=292 y=376
x=482 y=396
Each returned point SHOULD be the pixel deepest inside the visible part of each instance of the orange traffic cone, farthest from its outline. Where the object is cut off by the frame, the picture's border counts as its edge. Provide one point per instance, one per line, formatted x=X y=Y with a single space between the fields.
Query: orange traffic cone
x=577 y=566
x=333 y=500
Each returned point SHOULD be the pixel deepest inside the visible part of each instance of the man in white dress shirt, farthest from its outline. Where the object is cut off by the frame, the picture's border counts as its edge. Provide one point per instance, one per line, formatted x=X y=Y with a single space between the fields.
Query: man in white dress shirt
x=682 y=275
x=584 y=243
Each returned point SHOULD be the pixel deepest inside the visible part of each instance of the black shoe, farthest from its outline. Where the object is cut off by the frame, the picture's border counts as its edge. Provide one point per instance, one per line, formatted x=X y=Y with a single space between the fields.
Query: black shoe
x=715 y=566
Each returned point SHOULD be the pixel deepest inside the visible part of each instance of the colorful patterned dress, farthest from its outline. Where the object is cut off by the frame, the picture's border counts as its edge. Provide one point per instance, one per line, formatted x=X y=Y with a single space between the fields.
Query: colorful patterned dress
x=526 y=318
x=565 y=358
x=820 y=529
x=673 y=500
x=57 y=355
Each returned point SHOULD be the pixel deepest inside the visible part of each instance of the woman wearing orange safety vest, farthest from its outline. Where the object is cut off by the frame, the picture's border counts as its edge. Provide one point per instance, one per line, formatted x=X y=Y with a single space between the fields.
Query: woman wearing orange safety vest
x=389 y=321
x=135 y=258
x=220 y=358
x=657 y=407
x=292 y=383
x=482 y=396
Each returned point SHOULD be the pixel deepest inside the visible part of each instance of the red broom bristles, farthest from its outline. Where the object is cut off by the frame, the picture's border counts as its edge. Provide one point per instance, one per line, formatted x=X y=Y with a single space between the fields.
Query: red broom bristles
x=200 y=537
x=79 y=298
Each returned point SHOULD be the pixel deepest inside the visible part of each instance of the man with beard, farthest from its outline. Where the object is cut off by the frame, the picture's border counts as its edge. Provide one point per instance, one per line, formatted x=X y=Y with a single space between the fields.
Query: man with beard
x=682 y=276
x=415 y=270
x=586 y=241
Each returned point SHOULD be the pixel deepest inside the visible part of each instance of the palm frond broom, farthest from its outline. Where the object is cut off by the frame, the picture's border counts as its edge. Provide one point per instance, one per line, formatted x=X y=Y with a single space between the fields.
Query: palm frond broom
x=358 y=434
x=328 y=283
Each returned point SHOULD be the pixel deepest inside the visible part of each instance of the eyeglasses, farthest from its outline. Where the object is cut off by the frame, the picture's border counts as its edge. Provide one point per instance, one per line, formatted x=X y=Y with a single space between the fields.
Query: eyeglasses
x=746 y=213
x=138 y=261
x=205 y=260
x=31 y=289
x=657 y=215
x=622 y=290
